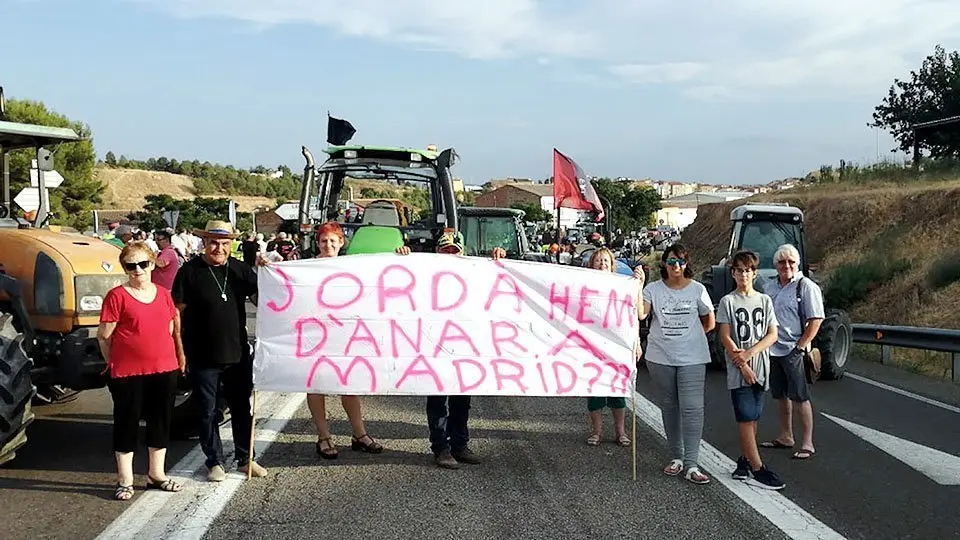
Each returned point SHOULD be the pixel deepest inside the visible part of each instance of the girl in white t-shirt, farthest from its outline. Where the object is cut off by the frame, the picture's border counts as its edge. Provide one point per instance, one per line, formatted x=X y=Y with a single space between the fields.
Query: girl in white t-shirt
x=677 y=357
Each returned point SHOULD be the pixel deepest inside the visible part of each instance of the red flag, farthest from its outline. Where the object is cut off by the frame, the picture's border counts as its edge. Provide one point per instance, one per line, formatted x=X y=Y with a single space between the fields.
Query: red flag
x=571 y=188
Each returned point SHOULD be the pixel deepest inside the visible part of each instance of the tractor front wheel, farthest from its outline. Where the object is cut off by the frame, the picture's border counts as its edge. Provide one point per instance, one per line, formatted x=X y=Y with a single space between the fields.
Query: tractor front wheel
x=834 y=341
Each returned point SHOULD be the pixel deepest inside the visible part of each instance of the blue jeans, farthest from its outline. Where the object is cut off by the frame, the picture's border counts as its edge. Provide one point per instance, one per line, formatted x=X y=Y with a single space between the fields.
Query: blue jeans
x=747 y=403
x=448 y=431
x=237 y=380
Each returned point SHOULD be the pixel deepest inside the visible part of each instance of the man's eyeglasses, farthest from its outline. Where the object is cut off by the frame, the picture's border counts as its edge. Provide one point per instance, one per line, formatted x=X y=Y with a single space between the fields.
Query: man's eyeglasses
x=673 y=260
x=131 y=266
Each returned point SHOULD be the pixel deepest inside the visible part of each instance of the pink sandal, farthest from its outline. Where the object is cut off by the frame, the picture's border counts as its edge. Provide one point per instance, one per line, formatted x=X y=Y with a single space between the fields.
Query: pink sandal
x=673 y=468
x=696 y=476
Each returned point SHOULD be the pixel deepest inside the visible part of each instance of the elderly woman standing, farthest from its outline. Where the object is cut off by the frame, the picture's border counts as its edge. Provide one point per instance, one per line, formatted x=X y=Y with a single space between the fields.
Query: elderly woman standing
x=603 y=260
x=139 y=337
x=329 y=237
x=677 y=357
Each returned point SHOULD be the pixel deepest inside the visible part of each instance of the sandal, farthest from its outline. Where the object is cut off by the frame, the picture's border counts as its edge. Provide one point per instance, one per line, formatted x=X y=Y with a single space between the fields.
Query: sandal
x=696 y=476
x=167 y=485
x=373 y=447
x=330 y=452
x=803 y=454
x=623 y=440
x=673 y=468
x=593 y=440
x=123 y=493
x=775 y=444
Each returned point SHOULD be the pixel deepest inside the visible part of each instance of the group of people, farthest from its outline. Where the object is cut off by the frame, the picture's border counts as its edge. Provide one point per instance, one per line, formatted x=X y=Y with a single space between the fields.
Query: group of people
x=173 y=318
x=764 y=335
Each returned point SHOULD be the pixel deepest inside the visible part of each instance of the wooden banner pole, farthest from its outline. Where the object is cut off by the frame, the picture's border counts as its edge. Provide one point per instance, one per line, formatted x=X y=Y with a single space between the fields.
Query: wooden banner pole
x=633 y=396
x=253 y=431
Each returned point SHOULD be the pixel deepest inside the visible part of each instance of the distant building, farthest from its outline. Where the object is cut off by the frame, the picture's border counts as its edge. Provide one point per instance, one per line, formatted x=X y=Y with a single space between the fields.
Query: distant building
x=682 y=211
x=500 y=182
x=536 y=194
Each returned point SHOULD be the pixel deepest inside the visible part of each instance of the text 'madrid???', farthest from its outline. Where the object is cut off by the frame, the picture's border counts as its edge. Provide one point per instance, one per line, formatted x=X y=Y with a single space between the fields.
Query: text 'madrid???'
x=432 y=324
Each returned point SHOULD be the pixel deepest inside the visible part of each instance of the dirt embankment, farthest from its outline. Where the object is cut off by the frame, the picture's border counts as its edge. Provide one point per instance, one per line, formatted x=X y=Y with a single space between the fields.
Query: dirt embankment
x=126 y=189
x=917 y=225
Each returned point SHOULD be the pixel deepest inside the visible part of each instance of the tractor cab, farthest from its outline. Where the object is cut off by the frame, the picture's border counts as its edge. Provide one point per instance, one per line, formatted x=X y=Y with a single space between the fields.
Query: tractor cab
x=761 y=228
x=487 y=228
x=360 y=187
x=51 y=282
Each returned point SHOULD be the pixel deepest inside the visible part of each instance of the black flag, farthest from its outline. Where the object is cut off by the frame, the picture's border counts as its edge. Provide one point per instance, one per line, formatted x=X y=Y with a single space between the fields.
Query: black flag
x=339 y=131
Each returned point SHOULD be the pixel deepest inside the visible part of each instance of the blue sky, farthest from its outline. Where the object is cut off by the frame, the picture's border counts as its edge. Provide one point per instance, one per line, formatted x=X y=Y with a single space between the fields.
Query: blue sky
x=740 y=91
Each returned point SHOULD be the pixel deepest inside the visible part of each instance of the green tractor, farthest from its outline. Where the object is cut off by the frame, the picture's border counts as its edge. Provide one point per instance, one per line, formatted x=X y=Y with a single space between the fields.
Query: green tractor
x=397 y=169
x=487 y=228
x=762 y=228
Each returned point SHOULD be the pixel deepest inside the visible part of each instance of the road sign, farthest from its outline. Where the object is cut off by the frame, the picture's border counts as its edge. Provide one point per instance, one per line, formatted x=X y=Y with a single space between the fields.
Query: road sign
x=288 y=211
x=29 y=199
x=171 y=217
x=52 y=179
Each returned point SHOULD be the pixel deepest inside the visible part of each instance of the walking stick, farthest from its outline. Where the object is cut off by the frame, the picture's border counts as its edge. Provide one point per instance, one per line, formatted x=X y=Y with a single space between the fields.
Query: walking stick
x=253 y=430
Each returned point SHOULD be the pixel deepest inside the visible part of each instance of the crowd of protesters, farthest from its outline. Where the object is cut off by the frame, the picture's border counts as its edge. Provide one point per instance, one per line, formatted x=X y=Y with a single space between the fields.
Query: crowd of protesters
x=182 y=311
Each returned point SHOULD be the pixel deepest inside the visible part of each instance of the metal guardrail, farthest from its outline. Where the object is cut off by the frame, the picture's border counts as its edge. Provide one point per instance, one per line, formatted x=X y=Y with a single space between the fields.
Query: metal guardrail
x=911 y=337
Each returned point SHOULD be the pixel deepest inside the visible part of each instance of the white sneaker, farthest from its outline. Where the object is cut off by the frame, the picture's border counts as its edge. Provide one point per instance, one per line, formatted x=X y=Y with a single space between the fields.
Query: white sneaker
x=216 y=474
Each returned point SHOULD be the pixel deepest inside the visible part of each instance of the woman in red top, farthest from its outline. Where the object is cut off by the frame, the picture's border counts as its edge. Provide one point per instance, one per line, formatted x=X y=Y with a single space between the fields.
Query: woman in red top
x=139 y=336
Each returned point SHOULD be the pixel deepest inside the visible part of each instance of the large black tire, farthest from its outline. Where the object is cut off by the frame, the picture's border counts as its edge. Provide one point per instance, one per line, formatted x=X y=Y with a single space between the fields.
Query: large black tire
x=835 y=341
x=16 y=390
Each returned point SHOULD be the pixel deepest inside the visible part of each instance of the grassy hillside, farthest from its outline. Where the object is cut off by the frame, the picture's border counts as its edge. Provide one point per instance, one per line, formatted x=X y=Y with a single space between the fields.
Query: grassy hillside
x=888 y=254
x=126 y=188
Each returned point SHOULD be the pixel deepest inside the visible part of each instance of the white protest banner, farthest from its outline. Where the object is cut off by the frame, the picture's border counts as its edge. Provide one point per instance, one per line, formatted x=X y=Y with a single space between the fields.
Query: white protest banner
x=432 y=324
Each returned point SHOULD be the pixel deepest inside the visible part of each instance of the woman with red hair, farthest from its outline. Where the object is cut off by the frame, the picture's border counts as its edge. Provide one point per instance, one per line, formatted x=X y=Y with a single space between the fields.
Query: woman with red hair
x=329 y=239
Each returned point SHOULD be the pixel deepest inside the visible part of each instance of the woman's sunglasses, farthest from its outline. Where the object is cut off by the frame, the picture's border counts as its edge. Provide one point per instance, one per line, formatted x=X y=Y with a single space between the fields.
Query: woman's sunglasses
x=673 y=260
x=131 y=266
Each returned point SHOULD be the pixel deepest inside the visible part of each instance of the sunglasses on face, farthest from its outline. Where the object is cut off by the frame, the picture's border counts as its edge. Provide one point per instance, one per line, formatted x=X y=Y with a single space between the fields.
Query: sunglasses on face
x=673 y=260
x=131 y=266
x=787 y=262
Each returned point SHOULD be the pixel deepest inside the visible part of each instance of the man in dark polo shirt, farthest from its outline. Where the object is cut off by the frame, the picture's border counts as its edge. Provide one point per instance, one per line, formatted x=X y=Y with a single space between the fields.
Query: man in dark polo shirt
x=210 y=291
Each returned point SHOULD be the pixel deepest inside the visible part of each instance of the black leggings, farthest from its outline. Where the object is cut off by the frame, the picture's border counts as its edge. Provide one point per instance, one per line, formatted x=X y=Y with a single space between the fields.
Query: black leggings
x=148 y=396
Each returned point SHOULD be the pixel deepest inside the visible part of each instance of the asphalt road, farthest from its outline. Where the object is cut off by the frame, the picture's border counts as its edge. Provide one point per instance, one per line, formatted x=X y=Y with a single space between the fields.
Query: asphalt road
x=851 y=485
x=62 y=481
x=539 y=478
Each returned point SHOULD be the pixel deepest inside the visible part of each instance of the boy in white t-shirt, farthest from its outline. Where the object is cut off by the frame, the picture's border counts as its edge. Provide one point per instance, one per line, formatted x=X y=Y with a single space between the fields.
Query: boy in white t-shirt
x=747 y=328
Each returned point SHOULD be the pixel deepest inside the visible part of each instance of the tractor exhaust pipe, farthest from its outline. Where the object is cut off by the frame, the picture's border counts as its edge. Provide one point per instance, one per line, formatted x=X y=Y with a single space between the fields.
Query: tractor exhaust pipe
x=305 y=190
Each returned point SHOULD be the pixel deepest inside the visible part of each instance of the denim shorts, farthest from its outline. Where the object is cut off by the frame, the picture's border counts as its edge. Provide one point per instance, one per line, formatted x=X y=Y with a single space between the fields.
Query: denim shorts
x=747 y=402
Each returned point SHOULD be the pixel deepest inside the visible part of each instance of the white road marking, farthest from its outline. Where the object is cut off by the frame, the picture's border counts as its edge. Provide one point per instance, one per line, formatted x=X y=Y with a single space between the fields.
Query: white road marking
x=905 y=393
x=786 y=515
x=941 y=467
x=189 y=513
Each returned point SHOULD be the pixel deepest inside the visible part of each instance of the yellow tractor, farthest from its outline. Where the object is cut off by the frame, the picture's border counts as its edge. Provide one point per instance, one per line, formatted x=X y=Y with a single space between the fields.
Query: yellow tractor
x=52 y=286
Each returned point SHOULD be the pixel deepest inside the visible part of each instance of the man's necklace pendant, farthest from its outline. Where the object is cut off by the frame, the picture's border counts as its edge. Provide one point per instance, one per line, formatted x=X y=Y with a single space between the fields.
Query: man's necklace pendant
x=224 y=296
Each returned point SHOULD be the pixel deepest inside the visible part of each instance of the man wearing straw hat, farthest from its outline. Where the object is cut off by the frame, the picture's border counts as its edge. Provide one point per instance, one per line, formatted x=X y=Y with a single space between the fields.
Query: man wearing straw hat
x=210 y=292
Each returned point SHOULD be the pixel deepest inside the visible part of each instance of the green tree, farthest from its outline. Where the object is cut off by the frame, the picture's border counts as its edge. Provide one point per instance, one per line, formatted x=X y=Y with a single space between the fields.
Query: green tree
x=632 y=208
x=110 y=159
x=71 y=203
x=932 y=93
x=533 y=212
